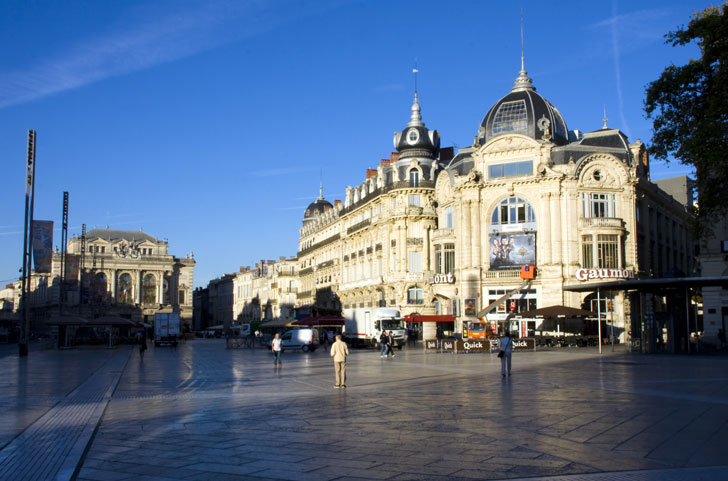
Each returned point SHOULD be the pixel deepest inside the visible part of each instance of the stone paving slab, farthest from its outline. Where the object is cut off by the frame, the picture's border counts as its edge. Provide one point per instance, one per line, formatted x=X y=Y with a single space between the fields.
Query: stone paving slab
x=52 y=446
x=230 y=415
x=201 y=412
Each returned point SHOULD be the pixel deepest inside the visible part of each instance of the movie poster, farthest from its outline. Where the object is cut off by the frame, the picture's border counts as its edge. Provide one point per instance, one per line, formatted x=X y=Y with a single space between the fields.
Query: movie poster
x=42 y=245
x=73 y=262
x=508 y=251
x=469 y=307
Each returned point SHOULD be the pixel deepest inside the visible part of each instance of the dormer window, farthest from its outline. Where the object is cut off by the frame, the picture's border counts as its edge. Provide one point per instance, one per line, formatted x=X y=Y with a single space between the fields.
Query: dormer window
x=413 y=136
x=511 y=117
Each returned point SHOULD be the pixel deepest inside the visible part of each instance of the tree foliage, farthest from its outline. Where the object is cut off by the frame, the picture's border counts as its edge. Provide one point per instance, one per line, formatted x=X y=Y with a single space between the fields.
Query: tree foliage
x=689 y=108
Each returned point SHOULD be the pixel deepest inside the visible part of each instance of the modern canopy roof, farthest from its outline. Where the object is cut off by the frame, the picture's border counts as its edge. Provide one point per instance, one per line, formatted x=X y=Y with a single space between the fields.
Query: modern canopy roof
x=553 y=312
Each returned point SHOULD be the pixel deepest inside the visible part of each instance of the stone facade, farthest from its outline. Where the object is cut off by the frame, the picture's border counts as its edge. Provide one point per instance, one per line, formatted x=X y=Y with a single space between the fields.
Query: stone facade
x=431 y=234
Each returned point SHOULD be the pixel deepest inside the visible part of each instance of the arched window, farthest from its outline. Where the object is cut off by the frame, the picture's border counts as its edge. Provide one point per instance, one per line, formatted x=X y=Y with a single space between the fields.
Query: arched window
x=513 y=210
x=149 y=286
x=414 y=178
x=99 y=286
x=415 y=295
x=123 y=290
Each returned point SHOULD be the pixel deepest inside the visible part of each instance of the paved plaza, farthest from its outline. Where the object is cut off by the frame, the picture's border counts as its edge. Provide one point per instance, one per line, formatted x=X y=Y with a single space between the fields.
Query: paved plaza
x=201 y=412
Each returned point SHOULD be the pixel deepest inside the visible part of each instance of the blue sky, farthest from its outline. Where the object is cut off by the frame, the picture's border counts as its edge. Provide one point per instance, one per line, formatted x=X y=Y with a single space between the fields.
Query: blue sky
x=210 y=123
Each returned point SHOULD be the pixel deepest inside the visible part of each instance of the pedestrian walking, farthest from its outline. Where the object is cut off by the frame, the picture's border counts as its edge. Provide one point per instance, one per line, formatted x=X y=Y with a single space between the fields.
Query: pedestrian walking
x=383 y=341
x=277 y=347
x=390 y=344
x=142 y=339
x=506 y=347
x=339 y=351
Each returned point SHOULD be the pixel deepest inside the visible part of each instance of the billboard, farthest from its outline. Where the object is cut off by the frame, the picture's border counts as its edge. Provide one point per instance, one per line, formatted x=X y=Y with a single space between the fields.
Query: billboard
x=508 y=251
x=42 y=245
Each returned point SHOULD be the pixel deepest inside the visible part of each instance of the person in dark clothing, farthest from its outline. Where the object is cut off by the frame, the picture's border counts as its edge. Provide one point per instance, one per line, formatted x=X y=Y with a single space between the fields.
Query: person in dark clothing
x=390 y=344
x=142 y=338
x=383 y=341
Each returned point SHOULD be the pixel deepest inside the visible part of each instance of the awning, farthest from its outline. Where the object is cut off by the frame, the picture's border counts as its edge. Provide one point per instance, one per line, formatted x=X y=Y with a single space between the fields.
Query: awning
x=275 y=323
x=66 y=321
x=554 y=312
x=425 y=318
x=112 y=321
x=326 y=321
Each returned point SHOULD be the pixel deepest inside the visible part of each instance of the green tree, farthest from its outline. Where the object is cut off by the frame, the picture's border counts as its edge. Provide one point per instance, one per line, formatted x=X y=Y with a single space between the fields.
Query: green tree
x=689 y=108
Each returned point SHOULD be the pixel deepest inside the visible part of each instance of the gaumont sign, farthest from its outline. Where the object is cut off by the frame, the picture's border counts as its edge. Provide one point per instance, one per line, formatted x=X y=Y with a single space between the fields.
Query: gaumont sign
x=443 y=279
x=586 y=274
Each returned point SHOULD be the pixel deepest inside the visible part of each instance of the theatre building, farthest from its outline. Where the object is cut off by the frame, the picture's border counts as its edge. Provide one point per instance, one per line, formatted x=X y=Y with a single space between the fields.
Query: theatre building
x=437 y=235
x=579 y=207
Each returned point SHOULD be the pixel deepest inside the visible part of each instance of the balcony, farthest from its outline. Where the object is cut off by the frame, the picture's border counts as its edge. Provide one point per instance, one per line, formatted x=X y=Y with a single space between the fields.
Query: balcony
x=359 y=226
x=443 y=233
x=596 y=222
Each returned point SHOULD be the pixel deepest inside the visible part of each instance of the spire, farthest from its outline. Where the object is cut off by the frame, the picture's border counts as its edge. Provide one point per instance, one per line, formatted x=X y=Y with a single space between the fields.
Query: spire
x=604 y=119
x=523 y=81
x=321 y=191
x=415 y=118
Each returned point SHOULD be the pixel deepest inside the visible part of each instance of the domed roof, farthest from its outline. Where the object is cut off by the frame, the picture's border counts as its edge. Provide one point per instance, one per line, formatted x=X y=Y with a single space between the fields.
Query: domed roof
x=525 y=112
x=319 y=206
x=416 y=140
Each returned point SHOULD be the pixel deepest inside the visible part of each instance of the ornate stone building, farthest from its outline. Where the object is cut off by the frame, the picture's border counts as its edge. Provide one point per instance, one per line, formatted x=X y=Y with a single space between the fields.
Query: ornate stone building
x=431 y=234
x=373 y=249
x=578 y=206
x=133 y=272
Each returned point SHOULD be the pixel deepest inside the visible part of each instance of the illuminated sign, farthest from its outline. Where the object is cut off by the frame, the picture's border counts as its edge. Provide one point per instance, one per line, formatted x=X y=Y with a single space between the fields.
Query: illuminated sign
x=586 y=274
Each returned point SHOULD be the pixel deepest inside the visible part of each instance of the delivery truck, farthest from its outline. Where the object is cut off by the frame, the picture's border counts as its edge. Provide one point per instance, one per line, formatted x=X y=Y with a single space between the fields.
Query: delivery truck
x=365 y=325
x=166 y=328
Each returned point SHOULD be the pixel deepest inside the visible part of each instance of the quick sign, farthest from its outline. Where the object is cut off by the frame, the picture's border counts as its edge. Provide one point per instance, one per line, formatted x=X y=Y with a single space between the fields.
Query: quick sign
x=586 y=274
x=472 y=346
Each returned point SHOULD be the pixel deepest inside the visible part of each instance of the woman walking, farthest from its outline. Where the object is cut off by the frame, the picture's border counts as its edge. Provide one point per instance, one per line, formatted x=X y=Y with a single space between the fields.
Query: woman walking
x=277 y=347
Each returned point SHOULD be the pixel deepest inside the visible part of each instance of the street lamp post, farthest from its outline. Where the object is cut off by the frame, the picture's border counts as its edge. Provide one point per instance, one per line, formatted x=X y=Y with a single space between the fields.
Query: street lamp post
x=27 y=236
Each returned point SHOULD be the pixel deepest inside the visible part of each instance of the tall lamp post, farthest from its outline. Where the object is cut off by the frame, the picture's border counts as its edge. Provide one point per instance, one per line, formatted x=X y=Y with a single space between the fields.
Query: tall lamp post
x=27 y=236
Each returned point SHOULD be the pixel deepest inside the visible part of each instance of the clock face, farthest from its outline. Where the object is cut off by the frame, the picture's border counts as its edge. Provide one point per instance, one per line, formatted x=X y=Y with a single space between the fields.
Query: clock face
x=412 y=136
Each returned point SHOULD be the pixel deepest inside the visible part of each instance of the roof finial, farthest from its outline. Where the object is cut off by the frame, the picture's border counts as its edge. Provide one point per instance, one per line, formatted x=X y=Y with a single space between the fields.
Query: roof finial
x=522 y=82
x=416 y=117
x=604 y=119
x=523 y=68
x=321 y=185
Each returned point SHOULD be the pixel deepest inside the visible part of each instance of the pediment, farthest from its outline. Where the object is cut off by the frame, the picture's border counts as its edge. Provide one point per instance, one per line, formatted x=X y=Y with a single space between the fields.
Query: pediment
x=509 y=143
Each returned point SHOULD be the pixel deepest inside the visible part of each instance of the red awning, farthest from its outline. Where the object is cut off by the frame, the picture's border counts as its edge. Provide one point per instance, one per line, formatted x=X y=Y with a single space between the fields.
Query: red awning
x=422 y=318
x=328 y=321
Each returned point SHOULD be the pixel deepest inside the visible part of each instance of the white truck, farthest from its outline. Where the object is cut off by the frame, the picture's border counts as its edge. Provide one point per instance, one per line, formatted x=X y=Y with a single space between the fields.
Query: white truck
x=365 y=325
x=166 y=328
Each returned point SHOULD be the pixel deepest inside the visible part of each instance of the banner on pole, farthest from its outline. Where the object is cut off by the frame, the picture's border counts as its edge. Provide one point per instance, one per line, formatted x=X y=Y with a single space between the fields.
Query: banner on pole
x=73 y=261
x=42 y=244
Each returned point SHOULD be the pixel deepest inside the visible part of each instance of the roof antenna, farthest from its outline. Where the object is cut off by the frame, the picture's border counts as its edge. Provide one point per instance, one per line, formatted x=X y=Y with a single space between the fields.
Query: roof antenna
x=522 y=82
x=604 y=119
x=522 y=62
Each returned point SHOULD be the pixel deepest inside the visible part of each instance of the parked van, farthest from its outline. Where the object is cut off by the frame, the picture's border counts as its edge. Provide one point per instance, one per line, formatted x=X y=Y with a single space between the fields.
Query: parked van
x=305 y=339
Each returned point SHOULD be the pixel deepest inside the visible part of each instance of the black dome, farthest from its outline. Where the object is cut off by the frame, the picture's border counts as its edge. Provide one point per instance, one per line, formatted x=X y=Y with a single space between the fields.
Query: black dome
x=416 y=140
x=523 y=111
x=319 y=206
